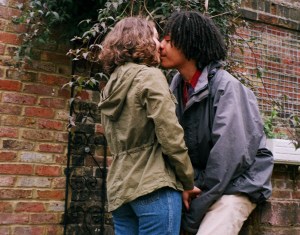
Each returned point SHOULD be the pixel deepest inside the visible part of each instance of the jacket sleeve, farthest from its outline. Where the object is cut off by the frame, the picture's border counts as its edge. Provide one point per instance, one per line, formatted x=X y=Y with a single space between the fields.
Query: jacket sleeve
x=155 y=95
x=236 y=133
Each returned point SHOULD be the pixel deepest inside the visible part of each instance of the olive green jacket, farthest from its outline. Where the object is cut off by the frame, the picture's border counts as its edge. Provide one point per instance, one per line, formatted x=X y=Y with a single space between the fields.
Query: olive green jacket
x=144 y=136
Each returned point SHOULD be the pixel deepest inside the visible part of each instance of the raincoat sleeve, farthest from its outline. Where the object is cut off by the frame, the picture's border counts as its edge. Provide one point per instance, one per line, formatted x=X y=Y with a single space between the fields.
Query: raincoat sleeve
x=236 y=133
x=155 y=95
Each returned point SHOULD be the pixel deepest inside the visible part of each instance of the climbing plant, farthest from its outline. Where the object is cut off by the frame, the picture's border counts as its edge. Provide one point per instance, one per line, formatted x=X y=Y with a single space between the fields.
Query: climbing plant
x=84 y=24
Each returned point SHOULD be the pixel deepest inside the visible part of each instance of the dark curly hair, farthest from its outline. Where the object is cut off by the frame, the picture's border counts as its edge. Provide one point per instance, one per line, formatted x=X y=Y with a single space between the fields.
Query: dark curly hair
x=131 y=40
x=196 y=36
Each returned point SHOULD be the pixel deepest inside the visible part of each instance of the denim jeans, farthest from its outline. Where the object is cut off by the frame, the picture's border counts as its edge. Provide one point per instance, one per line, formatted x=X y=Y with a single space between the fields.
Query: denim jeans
x=157 y=213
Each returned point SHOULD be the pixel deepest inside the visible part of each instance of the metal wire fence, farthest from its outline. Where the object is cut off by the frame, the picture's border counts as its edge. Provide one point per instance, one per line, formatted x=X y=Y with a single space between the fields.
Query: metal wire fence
x=273 y=53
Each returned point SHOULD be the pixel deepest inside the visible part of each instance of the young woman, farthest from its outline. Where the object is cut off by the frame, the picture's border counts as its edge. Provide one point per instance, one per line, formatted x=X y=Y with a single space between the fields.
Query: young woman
x=150 y=164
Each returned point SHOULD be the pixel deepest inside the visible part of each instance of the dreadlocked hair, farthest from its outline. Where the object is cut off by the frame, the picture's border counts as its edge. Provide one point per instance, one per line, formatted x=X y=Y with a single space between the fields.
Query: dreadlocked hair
x=196 y=36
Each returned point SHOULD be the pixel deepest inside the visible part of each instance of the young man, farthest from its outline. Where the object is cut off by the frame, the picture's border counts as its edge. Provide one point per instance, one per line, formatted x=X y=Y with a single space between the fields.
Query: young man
x=222 y=125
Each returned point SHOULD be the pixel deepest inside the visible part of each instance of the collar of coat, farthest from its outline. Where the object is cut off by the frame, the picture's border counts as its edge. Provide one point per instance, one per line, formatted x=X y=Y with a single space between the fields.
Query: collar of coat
x=207 y=73
x=200 y=90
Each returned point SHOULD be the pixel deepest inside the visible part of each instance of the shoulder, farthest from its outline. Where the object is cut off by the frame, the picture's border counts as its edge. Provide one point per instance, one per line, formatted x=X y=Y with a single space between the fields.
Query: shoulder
x=224 y=79
x=150 y=76
x=226 y=82
x=150 y=71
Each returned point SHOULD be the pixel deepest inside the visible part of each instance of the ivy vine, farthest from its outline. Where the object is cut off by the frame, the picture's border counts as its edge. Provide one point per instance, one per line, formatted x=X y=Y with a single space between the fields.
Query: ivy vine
x=84 y=24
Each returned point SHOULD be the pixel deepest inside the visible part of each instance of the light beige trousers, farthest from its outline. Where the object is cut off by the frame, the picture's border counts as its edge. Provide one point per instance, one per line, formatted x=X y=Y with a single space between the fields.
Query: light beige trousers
x=226 y=216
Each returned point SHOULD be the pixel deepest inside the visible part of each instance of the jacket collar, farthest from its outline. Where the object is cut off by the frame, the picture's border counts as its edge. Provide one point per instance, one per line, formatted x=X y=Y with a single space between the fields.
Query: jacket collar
x=207 y=73
x=201 y=88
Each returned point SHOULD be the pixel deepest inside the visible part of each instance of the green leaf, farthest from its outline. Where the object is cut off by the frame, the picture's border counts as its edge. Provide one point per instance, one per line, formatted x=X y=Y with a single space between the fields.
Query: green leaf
x=56 y=15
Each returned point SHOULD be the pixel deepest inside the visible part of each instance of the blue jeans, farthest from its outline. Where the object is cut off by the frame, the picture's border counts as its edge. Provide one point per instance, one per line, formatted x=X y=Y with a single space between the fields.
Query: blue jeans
x=157 y=213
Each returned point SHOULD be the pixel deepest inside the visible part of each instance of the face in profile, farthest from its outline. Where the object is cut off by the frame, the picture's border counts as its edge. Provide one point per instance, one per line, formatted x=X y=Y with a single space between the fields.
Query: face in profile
x=170 y=56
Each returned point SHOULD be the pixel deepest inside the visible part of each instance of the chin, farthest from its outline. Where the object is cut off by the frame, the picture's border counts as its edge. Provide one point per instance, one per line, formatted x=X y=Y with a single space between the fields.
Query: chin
x=164 y=65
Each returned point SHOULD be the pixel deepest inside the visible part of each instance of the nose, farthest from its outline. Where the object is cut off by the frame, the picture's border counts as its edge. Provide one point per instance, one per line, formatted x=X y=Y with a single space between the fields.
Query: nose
x=162 y=44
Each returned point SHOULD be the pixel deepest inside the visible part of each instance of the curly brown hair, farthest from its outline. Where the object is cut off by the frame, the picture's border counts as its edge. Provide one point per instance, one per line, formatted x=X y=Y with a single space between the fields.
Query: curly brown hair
x=131 y=40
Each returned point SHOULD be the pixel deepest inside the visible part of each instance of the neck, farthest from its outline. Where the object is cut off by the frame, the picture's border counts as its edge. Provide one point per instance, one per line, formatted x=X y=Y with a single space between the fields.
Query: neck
x=188 y=70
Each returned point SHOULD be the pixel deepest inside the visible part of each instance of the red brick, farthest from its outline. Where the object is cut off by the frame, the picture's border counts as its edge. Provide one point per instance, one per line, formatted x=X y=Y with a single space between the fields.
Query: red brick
x=48 y=170
x=56 y=57
x=5 y=230
x=38 y=89
x=33 y=182
x=32 y=230
x=3 y=24
x=37 y=135
x=84 y=95
x=64 y=69
x=53 y=80
x=7 y=156
x=62 y=115
x=51 y=148
x=17 y=98
x=284 y=184
x=6 y=207
x=268 y=18
x=286 y=213
x=15 y=3
x=23 y=76
x=11 y=50
x=10 y=38
x=15 y=194
x=61 y=136
x=16 y=28
x=10 y=85
x=59 y=182
x=53 y=103
x=10 y=109
x=61 y=159
x=41 y=66
x=2 y=49
x=51 y=194
x=39 y=112
x=296 y=194
x=54 y=230
x=19 y=121
x=1 y=72
x=51 y=125
x=44 y=218
x=8 y=13
x=66 y=93
x=30 y=207
x=8 y=218
x=6 y=181
x=14 y=169
x=281 y=194
x=8 y=132
x=17 y=145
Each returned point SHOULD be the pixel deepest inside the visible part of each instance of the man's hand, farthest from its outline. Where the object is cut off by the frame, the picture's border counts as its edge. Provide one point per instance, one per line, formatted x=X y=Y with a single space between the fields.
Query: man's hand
x=188 y=195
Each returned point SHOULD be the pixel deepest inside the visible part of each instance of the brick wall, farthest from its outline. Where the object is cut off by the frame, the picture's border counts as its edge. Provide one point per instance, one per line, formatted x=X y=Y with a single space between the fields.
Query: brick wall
x=276 y=24
x=34 y=112
x=33 y=137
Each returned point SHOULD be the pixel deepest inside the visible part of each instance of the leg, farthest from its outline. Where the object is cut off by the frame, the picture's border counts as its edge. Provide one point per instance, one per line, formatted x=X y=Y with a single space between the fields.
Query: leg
x=159 y=212
x=226 y=216
x=125 y=221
